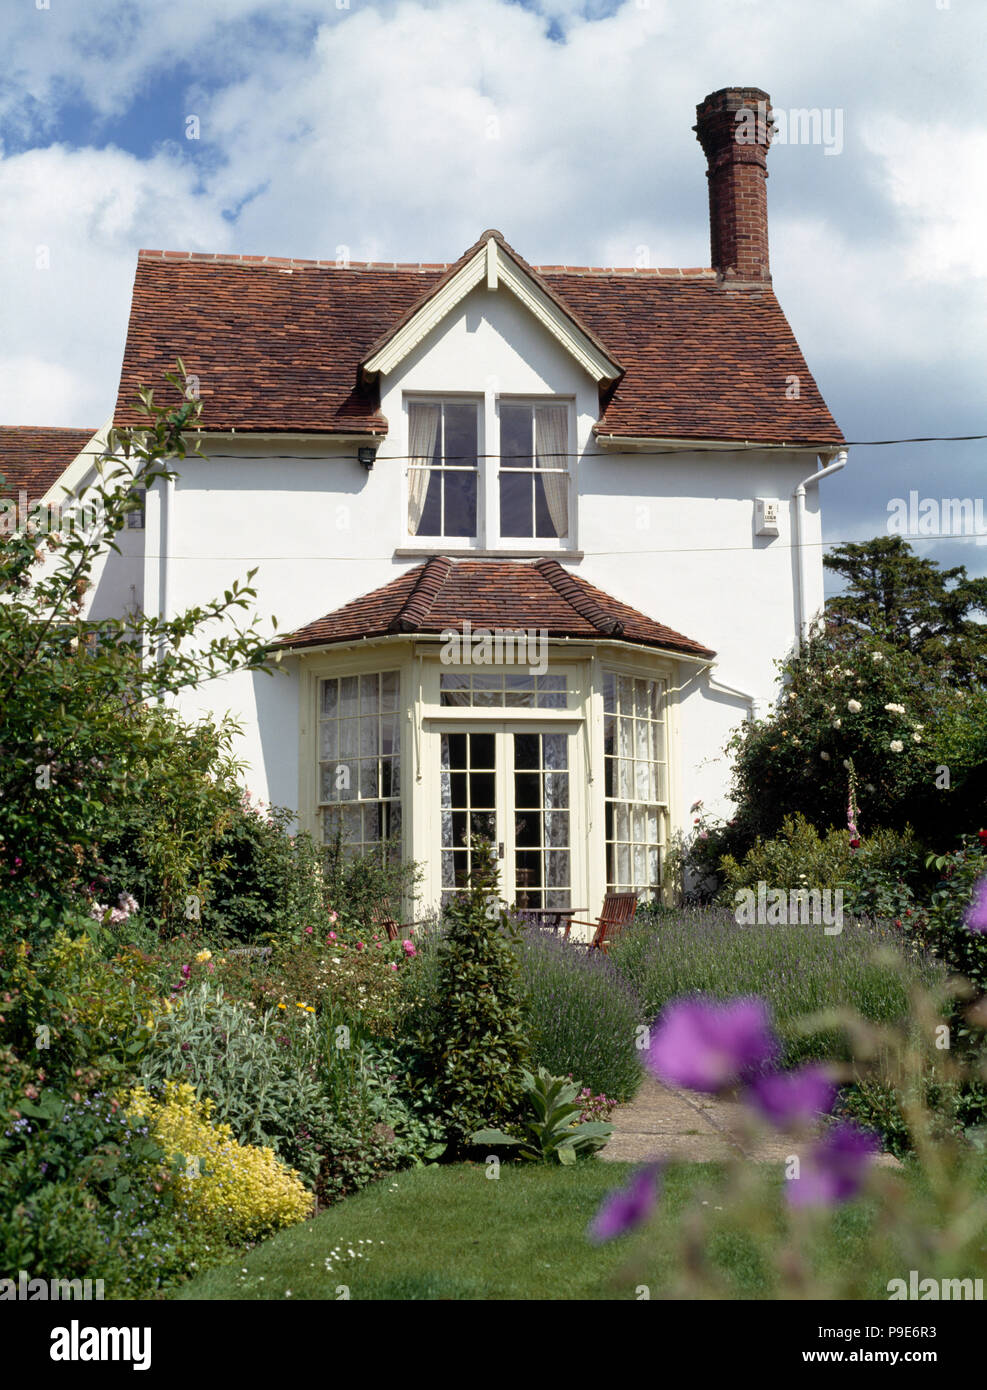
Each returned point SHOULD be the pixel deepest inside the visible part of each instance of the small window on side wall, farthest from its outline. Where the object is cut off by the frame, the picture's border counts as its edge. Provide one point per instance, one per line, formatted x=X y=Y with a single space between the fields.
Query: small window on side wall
x=135 y=519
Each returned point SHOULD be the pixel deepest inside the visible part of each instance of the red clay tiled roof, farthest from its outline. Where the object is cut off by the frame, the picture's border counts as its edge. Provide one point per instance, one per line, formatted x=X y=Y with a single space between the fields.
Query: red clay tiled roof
x=277 y=345
x=34 y=457
x=506 y=594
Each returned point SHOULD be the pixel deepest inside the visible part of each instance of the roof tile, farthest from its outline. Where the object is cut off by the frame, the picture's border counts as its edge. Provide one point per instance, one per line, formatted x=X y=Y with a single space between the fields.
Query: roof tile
x=442 y=594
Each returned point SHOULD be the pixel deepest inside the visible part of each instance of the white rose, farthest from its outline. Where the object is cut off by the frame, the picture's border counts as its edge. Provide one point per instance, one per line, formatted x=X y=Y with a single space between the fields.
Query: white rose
x=895 y=709
x=854 y=706
x=838 y=724
x=896 y=745
x=876 y=656
x=916 y=738
x=825 y=757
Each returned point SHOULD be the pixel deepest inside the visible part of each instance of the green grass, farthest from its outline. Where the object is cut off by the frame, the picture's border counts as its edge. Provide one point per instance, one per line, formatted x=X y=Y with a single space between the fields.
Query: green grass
x=452 y=1233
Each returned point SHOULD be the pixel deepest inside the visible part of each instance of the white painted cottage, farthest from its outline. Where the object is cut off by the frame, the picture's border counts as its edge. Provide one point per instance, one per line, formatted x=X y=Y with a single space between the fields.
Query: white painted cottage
x=600 y=480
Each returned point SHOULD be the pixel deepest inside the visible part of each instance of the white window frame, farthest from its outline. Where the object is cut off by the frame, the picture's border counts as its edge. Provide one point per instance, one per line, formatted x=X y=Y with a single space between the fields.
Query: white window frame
x=538 y=544
x=433 y=542
x=488 y=539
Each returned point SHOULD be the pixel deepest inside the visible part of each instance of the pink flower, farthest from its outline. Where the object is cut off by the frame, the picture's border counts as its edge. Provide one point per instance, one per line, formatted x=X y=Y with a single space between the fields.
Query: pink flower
x=308 y=931
x=331 y=936
x=409 y=948
x=359 y=945
x=393 y=966
x=186 y=971
x=709 y=1044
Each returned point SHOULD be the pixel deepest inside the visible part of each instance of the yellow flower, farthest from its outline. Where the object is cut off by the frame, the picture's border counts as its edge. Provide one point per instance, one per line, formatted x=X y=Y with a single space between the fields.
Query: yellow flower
x=203 y=956
x=282 y=1006
x=309 y=1009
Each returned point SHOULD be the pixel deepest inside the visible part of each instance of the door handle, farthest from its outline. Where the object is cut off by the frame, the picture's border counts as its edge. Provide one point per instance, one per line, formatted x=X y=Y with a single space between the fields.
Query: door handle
x=500 y=850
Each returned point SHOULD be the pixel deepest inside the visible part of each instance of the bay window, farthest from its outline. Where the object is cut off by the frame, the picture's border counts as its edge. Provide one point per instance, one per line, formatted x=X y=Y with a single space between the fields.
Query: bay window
x=636 y=781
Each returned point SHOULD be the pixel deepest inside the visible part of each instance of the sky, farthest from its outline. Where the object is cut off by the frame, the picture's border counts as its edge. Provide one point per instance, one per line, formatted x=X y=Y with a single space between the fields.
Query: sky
x=401 y=129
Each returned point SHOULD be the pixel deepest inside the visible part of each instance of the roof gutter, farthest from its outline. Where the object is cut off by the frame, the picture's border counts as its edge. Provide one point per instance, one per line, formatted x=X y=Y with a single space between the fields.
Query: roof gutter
x=435 y=637
x=657 y=444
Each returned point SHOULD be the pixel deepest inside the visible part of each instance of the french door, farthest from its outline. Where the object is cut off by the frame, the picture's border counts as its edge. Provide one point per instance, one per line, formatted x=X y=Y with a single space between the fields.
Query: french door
x=512 y=785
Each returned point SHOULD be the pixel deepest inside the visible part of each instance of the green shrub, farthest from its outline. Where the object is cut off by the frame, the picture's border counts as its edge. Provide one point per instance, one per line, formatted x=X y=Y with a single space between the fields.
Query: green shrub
x=358 y=886
x=849 y=698
x=583 y=1015
x=261 y=1073
x=477 y=1043
x=268 y=880
x=876 y=878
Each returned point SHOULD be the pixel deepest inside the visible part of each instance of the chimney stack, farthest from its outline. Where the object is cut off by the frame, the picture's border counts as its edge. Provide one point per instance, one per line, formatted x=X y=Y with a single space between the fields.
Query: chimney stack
x=734 y=128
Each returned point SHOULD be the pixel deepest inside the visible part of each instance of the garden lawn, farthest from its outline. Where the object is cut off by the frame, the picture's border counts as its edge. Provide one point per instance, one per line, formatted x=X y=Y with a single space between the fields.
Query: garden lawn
x=452 y=1233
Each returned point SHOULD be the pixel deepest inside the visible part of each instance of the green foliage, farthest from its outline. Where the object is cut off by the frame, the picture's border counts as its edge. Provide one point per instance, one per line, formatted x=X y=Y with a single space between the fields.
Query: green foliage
x=900 y=598
x=268 y=881
x=876 y=878
x=261 y=1073
x=358 y=886
x=583 y=1015
x=555 y=1133
x=75 y=1014
x=939 y=922
x=74 y=737
x=477 y=1044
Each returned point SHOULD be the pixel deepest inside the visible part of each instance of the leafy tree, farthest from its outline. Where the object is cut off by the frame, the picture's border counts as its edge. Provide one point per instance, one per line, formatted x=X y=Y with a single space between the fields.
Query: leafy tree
x=76 y=737
x=896 y=596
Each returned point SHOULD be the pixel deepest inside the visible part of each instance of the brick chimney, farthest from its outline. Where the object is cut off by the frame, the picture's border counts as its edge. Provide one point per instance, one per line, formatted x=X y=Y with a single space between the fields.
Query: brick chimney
x=734 y=128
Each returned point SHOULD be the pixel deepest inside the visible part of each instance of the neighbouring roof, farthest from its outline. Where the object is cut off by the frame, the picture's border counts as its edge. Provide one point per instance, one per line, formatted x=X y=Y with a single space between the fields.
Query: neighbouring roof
x=34 y=457
x=278 y=344
x=442 y=594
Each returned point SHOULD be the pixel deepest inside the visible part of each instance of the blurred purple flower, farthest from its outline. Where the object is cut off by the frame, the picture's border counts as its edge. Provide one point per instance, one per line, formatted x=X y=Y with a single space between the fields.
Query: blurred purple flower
x=834 y=1168
x=976 y=913
x=793 y=1097
x=709 y=1044
x=626 y=1208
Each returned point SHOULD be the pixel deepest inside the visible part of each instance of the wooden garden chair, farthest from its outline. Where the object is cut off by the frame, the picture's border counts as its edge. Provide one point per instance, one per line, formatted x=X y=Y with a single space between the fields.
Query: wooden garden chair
x=383 y=920
x=618 y=910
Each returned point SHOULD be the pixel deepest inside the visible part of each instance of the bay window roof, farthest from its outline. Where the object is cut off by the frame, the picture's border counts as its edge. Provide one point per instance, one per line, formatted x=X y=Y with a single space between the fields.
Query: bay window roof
x=442 y=594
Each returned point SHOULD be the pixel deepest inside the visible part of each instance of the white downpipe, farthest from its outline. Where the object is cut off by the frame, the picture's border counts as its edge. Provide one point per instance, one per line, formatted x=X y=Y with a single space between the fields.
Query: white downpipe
x=802 y=579
x=167 y=525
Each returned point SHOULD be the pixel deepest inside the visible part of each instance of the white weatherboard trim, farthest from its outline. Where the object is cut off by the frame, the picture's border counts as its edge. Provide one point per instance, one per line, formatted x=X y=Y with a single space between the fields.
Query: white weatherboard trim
x=536 y=301
x=407 y=338
x=492 y=264
x=79 y=469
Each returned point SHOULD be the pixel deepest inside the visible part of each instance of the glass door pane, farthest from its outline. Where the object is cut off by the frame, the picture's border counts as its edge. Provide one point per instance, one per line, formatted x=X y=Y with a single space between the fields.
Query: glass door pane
x=542 y=846
x=468 y=792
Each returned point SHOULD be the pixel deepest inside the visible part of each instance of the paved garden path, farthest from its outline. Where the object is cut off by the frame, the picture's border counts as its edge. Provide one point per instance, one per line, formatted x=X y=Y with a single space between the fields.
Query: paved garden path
x=687 y=1125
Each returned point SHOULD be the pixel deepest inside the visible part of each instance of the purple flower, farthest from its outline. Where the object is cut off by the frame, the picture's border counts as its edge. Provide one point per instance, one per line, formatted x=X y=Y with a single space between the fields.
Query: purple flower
x=793 y=1097
x=708 y=1044
x=976 y=913
x=626 y=1208
x=834 y=1168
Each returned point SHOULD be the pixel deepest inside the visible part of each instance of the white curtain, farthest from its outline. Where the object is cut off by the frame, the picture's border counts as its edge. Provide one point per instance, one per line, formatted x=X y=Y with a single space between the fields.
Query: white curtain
x=423 y=431
x=551 y=451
